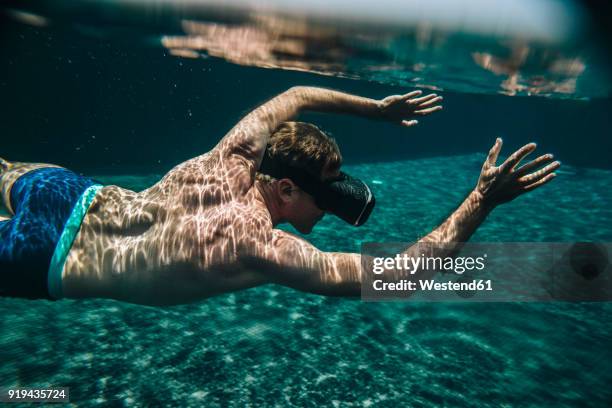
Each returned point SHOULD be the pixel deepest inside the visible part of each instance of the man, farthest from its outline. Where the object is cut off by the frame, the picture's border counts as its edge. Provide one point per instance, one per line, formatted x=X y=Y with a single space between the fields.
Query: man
x=207 y=227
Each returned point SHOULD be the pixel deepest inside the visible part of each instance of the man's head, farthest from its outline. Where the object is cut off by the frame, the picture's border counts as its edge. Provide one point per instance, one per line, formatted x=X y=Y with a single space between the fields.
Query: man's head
x=300 y=146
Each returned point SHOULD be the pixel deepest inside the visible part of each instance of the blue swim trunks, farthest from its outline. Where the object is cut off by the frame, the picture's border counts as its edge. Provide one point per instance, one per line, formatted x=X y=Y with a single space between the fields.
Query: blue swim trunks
x=49 y=205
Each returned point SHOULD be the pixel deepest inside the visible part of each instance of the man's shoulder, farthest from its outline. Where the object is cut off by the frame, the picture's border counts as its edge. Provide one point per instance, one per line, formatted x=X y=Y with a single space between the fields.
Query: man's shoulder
x=196 y=170
x=212 y=174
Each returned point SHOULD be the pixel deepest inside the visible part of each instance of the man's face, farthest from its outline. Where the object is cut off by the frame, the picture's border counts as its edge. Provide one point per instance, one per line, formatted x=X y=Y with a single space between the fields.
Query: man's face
x=301 y=210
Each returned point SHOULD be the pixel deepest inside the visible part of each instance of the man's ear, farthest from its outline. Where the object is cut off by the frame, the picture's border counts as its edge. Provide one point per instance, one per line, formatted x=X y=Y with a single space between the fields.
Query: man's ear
x=285 y=189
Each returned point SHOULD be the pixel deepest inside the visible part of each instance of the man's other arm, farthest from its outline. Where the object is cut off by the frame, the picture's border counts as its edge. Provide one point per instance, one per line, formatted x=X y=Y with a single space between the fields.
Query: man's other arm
x=291 y=261
x=247 y=140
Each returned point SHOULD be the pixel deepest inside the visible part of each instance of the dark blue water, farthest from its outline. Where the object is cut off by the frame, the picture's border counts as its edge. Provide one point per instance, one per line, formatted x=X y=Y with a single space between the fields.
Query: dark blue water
x=97 y=101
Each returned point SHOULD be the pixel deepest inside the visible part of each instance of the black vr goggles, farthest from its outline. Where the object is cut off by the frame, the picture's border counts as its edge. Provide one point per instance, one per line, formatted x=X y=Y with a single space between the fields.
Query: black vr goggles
x=344 y=196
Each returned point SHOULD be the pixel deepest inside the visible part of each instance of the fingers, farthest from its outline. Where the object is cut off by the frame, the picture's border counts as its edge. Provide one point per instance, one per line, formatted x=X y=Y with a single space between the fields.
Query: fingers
x=517 y=157
x=494 y=152
x=540 y=174
x=428 y=110
x=534 y=164
x=424 y=104
x=418 y=101
x=430 y=102
x=540 y=182
x=410 y=95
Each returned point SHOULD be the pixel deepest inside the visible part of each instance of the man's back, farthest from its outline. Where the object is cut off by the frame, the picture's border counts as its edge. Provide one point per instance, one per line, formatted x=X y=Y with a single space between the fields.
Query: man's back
x=175 y=242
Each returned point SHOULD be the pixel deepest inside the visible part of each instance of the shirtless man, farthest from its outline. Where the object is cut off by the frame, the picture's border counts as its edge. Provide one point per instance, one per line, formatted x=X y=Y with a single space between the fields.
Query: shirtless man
x=207 y=227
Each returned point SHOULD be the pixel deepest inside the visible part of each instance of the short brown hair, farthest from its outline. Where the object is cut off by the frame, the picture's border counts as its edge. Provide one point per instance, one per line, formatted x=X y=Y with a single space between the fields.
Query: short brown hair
x=305 y=146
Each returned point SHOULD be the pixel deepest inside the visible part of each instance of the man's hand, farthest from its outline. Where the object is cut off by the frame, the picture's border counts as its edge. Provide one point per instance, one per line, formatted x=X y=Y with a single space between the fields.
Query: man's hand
x=403 y=108
x=500 y=184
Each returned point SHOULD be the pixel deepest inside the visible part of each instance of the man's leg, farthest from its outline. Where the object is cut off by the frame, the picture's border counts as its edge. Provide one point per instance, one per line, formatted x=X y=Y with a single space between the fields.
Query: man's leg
x=10 y=172
x=25 y=237
x=41 y=198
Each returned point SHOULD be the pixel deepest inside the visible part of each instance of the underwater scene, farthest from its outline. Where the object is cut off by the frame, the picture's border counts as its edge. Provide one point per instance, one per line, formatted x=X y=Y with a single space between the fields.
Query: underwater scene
x=124 y=91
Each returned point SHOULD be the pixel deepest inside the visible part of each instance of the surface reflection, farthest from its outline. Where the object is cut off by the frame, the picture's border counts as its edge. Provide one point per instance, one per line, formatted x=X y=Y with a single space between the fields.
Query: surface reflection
x=266 y=42
x=420 y=56
x=555 y=74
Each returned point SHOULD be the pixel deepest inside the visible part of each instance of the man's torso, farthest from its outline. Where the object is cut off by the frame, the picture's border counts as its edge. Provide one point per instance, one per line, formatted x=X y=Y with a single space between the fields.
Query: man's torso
x=176 y=242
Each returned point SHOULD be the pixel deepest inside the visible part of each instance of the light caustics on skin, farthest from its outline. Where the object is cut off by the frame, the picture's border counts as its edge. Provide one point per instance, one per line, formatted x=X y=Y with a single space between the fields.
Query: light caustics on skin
x=203 y=229
x=153 y=246
x=207 y=226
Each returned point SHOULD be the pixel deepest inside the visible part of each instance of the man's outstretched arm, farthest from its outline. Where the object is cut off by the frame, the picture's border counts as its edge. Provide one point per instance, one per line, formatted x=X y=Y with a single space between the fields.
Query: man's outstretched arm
x=292 y=261
x=248 y=139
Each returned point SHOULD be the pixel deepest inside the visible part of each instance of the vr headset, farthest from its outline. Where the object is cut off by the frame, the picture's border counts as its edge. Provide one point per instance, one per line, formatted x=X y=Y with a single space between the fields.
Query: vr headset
x=344 y=196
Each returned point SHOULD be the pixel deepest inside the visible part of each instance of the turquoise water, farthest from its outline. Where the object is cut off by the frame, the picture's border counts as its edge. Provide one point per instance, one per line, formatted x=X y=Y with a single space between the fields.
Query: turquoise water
x=123 y=91
x=273 y=346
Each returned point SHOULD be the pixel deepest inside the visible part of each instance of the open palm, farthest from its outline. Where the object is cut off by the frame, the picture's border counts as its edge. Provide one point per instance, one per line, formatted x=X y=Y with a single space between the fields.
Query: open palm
x=404 y=108
x=503 y=183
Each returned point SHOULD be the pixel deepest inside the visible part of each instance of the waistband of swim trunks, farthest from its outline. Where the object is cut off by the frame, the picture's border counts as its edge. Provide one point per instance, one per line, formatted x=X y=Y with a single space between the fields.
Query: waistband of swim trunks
x=71 y=229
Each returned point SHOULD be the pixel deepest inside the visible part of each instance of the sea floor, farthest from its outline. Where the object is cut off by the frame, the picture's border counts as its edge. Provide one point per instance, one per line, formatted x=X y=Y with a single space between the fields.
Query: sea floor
x=273 y=346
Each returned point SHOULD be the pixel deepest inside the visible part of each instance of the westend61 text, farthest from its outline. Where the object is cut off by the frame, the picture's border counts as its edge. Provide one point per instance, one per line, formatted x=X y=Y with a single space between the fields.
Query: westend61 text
x=406 y=285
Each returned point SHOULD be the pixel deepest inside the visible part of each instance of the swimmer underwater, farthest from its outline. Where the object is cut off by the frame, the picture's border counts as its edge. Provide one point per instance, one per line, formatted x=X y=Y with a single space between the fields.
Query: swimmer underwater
x=208 y=226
